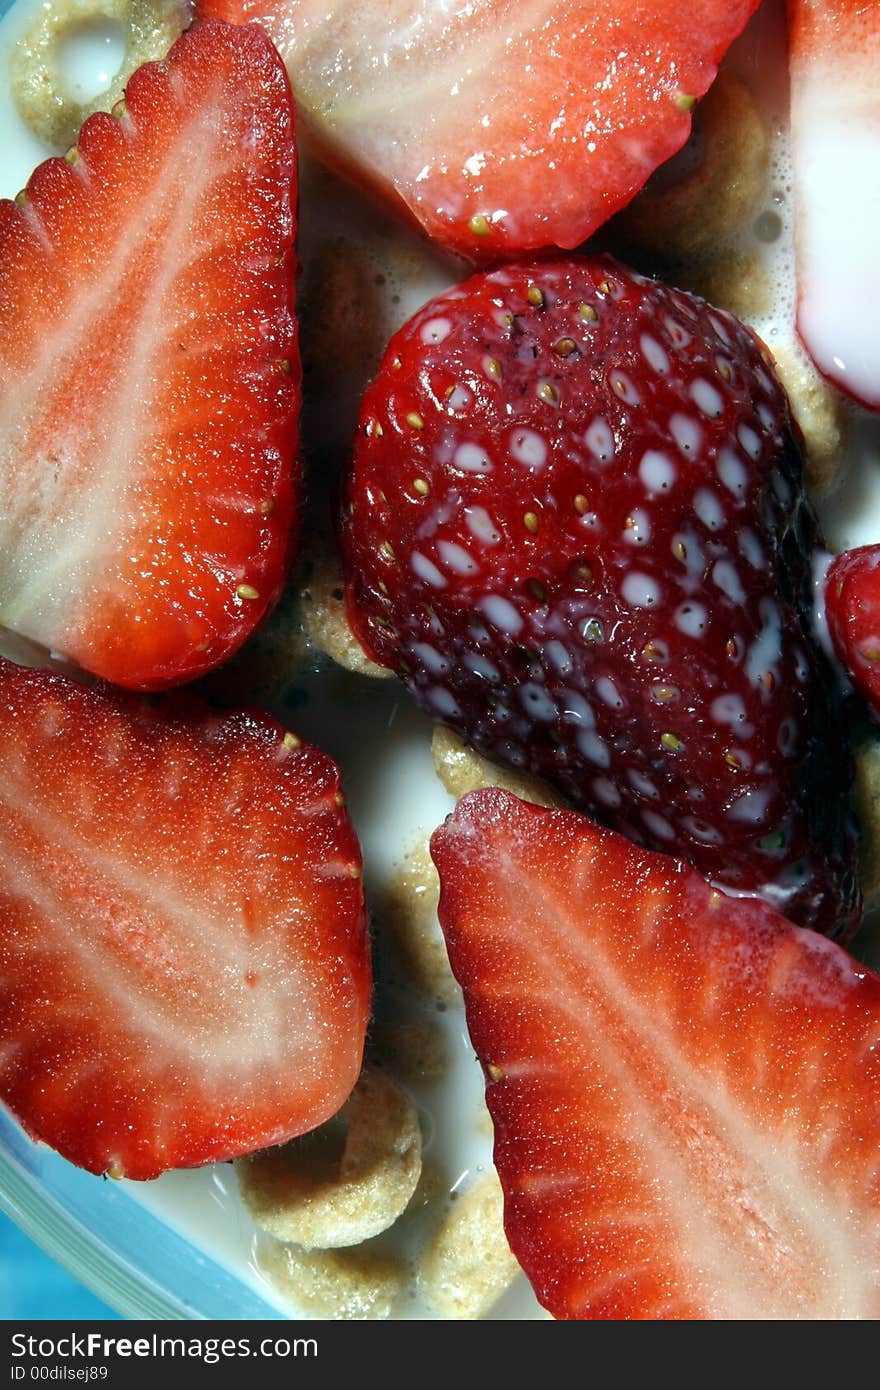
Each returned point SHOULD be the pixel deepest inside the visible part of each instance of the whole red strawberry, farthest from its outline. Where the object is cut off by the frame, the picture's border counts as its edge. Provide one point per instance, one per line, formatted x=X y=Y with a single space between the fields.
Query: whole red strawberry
x=575 y=526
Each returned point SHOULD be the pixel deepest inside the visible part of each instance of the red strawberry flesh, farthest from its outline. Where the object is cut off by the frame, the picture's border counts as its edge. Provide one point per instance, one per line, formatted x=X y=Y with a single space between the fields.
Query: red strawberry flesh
x=852 y=606
x=149 y=370
x=500 y=127
x=684 y=1088
x=575 y=526
x=183 y=955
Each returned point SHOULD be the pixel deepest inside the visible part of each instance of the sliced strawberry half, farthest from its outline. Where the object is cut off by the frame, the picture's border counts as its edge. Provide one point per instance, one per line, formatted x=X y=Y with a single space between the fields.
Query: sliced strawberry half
x=499 y=126
x=149 y=373
x=184 y=971
x=835 y=121
x=685 y=1088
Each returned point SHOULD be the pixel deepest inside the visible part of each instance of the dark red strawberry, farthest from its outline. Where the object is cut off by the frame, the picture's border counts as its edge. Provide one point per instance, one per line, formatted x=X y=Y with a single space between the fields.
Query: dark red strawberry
x=499 y=126
x=183 y=956
x=149 y=370
x=575 y=526
x=852 y=605
x=685 y=1089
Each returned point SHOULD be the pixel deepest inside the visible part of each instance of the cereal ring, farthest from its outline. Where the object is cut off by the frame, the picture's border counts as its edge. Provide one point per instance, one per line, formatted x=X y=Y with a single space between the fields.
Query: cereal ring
x=819 y=410
x=407 y=915
x=414 y=1051
x=339 y=1284
x=469 y=1264
x=724 y=173
x=306 y=1194
x=44 y=102
x=323 y=614
x=732 y=279
x=461 y=770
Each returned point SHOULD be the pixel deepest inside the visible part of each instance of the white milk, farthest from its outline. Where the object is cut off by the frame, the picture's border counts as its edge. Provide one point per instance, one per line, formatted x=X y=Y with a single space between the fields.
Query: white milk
x=394 y=796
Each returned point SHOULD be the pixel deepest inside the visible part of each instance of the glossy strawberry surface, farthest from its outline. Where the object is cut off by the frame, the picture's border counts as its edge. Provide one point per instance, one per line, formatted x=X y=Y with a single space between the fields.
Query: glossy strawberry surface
x=852 y=605
x=498 y=126
x=184 y=962
x=149 y=370
x=575 y=526
x=683 y=1088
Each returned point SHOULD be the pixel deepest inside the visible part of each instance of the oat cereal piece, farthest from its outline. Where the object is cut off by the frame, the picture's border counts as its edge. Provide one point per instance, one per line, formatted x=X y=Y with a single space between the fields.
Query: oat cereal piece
x=733 y=280
x=432 y=1191
x=336 y=1284
x=415 y=1051
x=469 y=1264
x=407 y=917
x=721 y=174
x=323 y=612
x=41 y=97
x=462 y=770
x=312 y=1194
x=485 y=1126
x=820 y=412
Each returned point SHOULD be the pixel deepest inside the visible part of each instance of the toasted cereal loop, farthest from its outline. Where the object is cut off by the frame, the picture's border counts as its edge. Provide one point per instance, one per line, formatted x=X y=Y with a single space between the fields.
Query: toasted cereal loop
x=722 y=173
x=44 y=102
x=468 y=1264
x=485 y=1127
x=733 y=279
x=820 y=412
x=415 y=1051
x=323 y=613
x=432 y=1191
x=462 y=770
x=407 y=917
x=356 y=1285
x=306 y=1193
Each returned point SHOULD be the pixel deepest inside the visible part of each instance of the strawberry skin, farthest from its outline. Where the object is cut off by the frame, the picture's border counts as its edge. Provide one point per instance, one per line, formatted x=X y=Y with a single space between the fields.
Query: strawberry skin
x=684 y=1088
x=835 y=133
x=575 y=526
x=149 y=370
x=184 y=967
x=522 y=130
x=852 y=606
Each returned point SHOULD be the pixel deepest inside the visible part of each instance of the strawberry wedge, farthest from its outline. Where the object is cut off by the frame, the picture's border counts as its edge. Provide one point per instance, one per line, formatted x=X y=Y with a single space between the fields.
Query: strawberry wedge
x=685 y=1087
x=499 y=126
x=835 y=127
x=184 y=968
x=149 y=371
